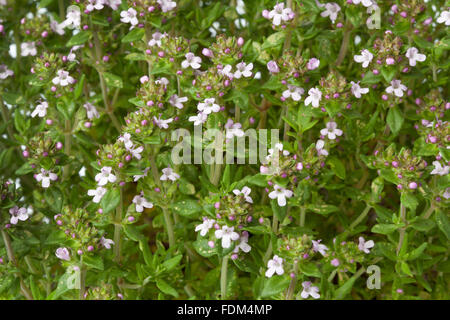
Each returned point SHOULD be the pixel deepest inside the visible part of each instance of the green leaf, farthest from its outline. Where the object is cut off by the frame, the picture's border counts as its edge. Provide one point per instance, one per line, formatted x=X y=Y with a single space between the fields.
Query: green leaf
x=112 y=80
x=54 y=198
x=409 y=200
x=110 y=200
x=384 y=228
x=172 y=262
x=166 y=288
x=323 y=209
x=345 y=289
x=395 y=119
x=133 y=35
x=443 y=223
x=133 y=233
x=95 y=262
x=274 y=285
x=80 y=38
x=388 y=73
x=310 y=269
x=423 y=225
x=187 y=208
x=417 y=252
x=337 y=166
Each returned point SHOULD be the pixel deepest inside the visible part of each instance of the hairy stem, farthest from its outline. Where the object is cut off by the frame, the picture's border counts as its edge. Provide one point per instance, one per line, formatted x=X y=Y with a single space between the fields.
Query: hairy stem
x=5 y=115
x=67 y=146
x=117 y=229
x=402 y=230
x=344 y=45
x=302 y=216
x=223 y=277
x=293 y=283
x=82 y=281
x=360 y=217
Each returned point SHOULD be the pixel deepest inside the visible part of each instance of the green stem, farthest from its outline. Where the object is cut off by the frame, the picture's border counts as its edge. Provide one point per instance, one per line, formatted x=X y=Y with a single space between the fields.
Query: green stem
x=5 y=115
x=82 y=281
x=223 y=277
x=429 y=211
x=117 y=229
x=302 y=216
x=344 y=45
x=269 y=248
x=61 y=9
x=292 y=284
x=67 y=146
x=360 y=218
x=402 y=230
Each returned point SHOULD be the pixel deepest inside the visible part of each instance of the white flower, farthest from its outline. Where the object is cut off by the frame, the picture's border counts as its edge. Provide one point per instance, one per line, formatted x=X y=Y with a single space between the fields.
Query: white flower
x=63 y=78
x=318 y=247
x=365 y=245
x=314 y=97
x=199 y=118
x=293 y=92
x=444 y=18
x=177 y=101
x=309 y=290
x=91 y=111
x=331 y=9
x=156 y=39
x=129 y=16
x=163 y=124
x=167 y=5
x=413 y=55
x=227 y=235
x=162 y=81
x=18 y=214
x=245 y=192
x=40 y=110
x=63 y=254
x=280 y=194
x=95 y=5
x=275 y=265
x=169 y=174
x=57 y=27
x=279 y=13
x=126 y=139
x=46 y=176
x=5 y=72
x=208 y=106
x=365 y=58
x=97 y=194
x=136 y=152
x=243 y=69
x=365 y=3
x=319 y=147
x=446 y=194
x=331 y=130
x=439 y=169
x=191 y=61
x=226 y=71
x=28 y=49
x=105 y=176
x=243 y=244
x=107 y=243
x=397 y=88
x=140 y=176
x=357 y=90
x=73 y=17
x=233 y=129
x=141 y=203
x=313 y=64
x=205 y=226
x=114 y=4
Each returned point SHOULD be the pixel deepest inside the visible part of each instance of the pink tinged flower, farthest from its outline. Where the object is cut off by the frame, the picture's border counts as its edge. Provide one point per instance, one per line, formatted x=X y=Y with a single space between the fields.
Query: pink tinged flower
x=320 y=144
x=227 y=235
x=63 y=254
x=169 y=174
x=167 y=5
x=335 y=262
x=280 y=13
x=318 y=247
x=156 y=39
x=114 y=4
x=275 y=265
x=205 y=226
x=233 y=129
x=357 y=90
x=105 y=176
x=315 y=95
x=396 y=88
x=63 y=78
x=161 y=123
x=162 y=81
x=245 y=192
x=273 y=67
x=46 y=176
x=365 y=58
x=177 y=101
x=18 y=214
x=107 y=243
x=446 y=193
x=280 y=194
x=243 y=244
x=439 y=169
x=331 y=130
x=293 y=92
x=208 y=106
x=141 y=203
x=226 y=71
x=365 y=246
x=140 y=176
x=91 y=111
x=200 y=118
x=331 y=10
x=73 y=17
x=95 y=5
x=5 y=72
x=309 y=290
x=191 y=61
x=313 y=64
x=136 y=152
x=129 y=16
x=365 y=3
x=444 y=18
x=28 y=49
x=413 y=55
x=57 y=27
x=126 y=139
x=40 y=110
x=97 y=194
x=243 y=70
